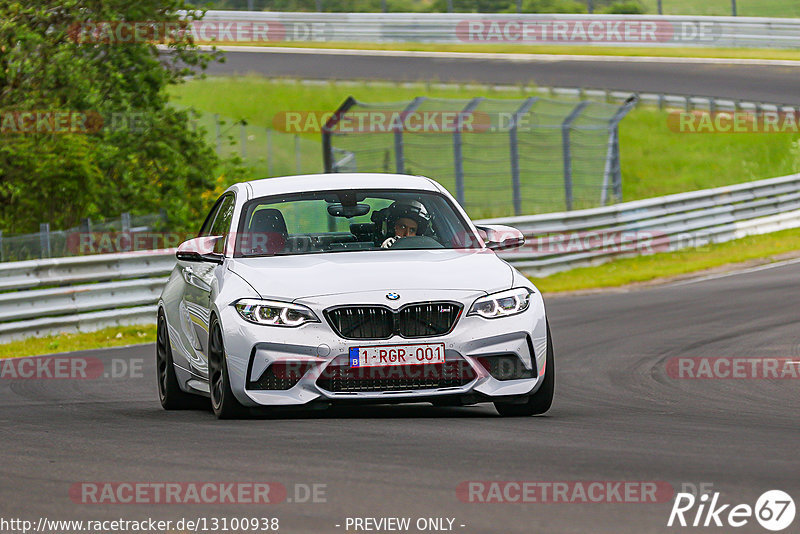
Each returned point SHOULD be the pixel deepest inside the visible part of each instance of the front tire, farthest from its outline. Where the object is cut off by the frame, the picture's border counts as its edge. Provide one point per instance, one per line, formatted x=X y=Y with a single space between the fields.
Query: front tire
x=539 y=402
x=170 y=394
x=223 y=402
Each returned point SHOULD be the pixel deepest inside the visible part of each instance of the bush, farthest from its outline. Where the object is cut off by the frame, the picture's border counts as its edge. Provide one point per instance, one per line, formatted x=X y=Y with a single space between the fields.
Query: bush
x=629 y=7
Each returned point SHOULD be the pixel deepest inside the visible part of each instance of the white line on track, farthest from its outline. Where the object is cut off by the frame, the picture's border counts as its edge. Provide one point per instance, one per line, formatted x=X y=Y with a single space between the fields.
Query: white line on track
x=511 y=57
x=735 y=273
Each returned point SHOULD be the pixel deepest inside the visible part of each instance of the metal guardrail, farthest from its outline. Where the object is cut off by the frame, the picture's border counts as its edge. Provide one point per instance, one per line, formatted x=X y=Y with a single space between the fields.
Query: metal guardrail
x=619 y=30
x=86 y=293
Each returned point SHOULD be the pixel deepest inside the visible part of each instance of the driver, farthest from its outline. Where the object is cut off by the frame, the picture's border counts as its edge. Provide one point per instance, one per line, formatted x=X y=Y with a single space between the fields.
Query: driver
x=405 y=219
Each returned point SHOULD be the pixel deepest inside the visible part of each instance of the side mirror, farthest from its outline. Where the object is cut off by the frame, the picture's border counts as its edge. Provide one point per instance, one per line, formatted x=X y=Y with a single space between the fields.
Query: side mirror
x=200 y=249
x=499 y=237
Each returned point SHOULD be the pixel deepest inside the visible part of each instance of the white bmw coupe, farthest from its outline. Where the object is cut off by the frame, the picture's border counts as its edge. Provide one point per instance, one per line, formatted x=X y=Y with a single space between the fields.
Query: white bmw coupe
x=350 y=288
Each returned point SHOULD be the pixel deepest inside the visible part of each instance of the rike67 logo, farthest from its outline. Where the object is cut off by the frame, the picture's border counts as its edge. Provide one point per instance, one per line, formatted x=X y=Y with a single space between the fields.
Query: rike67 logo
x=774 y=510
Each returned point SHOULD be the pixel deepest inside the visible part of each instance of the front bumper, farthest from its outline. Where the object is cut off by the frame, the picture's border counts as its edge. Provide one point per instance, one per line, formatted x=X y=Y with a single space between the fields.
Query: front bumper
x=313 y=350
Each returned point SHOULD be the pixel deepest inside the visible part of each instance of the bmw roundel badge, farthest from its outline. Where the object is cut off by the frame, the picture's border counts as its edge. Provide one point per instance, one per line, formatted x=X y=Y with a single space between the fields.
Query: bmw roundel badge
x=392 y=296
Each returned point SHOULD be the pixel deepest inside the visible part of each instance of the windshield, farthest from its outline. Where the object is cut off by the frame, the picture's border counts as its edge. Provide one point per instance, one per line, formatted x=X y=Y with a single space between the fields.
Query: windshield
x=350 y=220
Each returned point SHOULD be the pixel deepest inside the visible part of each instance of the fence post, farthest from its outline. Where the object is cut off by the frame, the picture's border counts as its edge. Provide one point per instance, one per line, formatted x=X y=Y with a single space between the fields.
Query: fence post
x=125 y=222
x=297 y=154
x=565 y=144
x=250 y=6
x=1 y=245
x=44 y=240
x=449 y=6
x=327 y=133
x=399 y=155
x=660 y=11
x=319 y=6
x=269 y=152
x=514 y=147
x=457 y=157
x=613 y=171
x=733 y=7
x=218 y=134
x=243 y=139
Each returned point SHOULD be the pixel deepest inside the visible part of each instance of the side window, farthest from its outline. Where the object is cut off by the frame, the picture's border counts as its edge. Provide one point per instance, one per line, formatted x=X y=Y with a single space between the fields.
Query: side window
x=205 y=230
x=222 y=223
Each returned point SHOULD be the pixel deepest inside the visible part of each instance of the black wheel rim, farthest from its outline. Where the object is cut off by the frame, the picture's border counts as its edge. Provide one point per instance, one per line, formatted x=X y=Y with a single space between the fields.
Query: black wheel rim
x=161 y=357
x=215 y=368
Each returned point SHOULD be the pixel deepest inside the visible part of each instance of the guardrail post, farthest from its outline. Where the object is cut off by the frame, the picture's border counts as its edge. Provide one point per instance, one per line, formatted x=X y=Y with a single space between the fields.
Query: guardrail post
x=565 y=144
x=44 y=240
x=457 y=156
x=514 y=148
x=125 y=222
x=327 y=133
x=399 y=154
x=1 y=245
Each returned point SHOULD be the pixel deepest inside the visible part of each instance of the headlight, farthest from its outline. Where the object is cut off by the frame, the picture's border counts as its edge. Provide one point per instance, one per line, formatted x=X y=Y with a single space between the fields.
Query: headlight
x=503 y=304
x=274 y=313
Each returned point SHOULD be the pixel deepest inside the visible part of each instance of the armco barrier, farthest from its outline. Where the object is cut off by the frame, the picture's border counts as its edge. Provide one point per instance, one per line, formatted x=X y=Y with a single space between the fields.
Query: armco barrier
x=86 y=293
x=619 y=30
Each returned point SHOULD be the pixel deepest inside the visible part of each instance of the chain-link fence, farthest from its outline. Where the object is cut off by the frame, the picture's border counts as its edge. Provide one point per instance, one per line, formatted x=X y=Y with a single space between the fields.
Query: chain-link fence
x=109 y=235
x=498 y=157
x=746 y=8
x=265 y=151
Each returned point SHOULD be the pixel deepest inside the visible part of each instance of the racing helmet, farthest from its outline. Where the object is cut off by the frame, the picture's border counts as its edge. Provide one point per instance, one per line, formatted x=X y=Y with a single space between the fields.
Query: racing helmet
x=410 y=209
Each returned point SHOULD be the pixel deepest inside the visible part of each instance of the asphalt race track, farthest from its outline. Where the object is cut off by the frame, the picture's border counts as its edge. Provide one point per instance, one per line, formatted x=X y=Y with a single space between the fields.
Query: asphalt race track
x=618 y=416
x=764 y=83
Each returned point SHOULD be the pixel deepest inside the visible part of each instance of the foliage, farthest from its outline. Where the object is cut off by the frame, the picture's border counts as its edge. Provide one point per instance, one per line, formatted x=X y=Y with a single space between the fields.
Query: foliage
x=143 y=156
x=628 y=7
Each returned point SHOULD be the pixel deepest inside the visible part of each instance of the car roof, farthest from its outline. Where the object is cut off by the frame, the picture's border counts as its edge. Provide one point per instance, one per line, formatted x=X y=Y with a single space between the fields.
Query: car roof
x=321 y=182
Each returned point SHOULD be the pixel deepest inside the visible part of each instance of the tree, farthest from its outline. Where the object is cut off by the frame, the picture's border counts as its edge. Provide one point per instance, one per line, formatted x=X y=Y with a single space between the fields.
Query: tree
x=125 y=149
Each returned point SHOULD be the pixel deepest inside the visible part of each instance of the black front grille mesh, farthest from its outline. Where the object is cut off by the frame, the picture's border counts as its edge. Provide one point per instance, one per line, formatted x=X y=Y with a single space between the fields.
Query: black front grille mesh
x=343 y=379
x=377 y=322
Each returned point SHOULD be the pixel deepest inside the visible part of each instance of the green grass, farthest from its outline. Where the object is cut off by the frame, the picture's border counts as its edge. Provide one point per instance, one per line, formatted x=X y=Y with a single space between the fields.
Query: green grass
x=744 y=8
x=655 y=160
x=510 y=48
x=669 y=264
x=109 y=337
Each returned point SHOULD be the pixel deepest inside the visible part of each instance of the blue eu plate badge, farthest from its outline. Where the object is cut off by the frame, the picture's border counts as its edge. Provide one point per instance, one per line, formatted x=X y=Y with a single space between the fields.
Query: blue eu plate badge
x=354 y=357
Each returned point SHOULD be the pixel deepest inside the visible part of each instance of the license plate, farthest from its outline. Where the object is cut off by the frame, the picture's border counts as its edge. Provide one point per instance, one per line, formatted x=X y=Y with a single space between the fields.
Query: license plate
x=383 y=355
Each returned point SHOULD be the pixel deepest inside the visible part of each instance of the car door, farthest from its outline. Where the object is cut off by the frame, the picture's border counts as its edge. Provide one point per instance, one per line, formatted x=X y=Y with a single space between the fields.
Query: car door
x=198 y=280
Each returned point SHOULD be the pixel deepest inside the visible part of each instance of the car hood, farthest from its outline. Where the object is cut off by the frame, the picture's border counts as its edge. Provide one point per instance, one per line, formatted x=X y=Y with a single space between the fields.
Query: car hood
x=311 y=275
